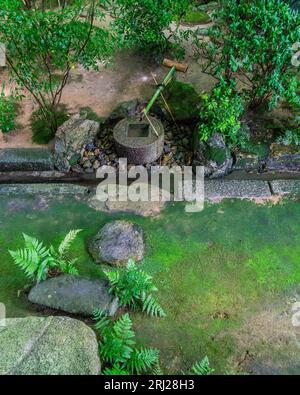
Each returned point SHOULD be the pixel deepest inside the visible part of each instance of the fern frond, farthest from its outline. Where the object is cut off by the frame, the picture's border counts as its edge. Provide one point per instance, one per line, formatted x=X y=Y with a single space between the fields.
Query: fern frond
x=117 y=343
x=123 y=327
x=102 y=321
x=71 y=270
x=142 y=361
x=116 y=370
x=67 y=241
x=157 y=370
x=26 y=260
x=32 y=259
x=113 y=277
x=133 y=287
x=151 y=306
x=130 y=264
x=33 y=244
x=36 y=260
x=202 y=368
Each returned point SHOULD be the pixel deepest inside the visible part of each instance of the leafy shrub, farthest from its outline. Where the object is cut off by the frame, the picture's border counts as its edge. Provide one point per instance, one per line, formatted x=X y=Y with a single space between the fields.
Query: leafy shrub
x=202 y=368
x=220 y=113
x=118 y=349
x=143 y=23
x=43 y=45
x=39 y=262
x=42 y=132
x=91 y=115
x=251 y=42
x=290 y=137
x=295 y=4
x=134 y=289
x=8 y=112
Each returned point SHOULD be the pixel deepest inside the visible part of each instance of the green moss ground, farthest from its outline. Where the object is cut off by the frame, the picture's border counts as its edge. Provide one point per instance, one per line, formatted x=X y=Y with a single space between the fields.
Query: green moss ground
x=197 y=17
x=234 y=258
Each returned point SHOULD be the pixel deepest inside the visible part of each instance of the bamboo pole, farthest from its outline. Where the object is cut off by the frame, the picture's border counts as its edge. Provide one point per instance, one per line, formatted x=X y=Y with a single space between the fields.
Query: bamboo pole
x=160 y=89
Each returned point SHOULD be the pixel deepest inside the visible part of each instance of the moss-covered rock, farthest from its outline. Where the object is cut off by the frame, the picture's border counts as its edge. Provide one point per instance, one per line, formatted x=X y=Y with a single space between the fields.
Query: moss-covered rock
x=48 y=346
x=196 y=17
x=249 y=144
x=183 y=101
x=117 y=242
x=258 y=148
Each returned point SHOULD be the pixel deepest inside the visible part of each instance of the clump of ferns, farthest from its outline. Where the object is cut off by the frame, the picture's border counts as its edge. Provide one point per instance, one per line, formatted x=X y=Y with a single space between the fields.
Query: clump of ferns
x=40 y=262
x=120 y=356
x=134 y=288
x=117 y=347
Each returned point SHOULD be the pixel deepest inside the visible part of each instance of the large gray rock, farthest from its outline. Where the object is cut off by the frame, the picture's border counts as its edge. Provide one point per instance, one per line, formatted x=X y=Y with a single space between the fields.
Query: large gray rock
x=70 y=138
x=48 y=346
x=117 y=242
x=74 y=294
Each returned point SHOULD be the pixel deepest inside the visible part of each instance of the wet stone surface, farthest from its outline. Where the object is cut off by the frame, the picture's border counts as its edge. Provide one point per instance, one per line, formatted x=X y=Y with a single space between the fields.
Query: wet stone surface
x=26 y=159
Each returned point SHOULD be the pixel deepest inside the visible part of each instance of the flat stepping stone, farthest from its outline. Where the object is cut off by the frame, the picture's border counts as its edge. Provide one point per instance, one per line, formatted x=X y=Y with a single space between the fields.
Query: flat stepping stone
x=117 y=242
x=26 y=159
x=74 y=294
x=48 y=346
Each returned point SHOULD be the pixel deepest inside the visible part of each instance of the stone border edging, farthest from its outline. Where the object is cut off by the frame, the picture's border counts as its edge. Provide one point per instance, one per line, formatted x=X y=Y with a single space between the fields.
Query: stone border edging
x=44 y=189
x=214 y=189
x=234 y=189
x=285 y=187
x=26 y=159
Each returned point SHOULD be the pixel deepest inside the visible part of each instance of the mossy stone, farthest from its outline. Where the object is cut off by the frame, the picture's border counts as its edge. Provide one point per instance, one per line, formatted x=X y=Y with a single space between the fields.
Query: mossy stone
x=48 y=346
x=218 y=155
x=260 y=149
x=195 y=17
x=183 y=101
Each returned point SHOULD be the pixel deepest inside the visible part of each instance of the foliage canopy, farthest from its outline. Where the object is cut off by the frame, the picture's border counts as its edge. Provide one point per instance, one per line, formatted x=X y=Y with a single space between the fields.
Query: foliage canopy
x=43 y=45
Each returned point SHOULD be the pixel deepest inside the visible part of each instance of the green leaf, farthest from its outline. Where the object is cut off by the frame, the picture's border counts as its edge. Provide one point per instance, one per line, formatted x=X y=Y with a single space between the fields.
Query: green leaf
x=67 y=241
x=202 y=368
